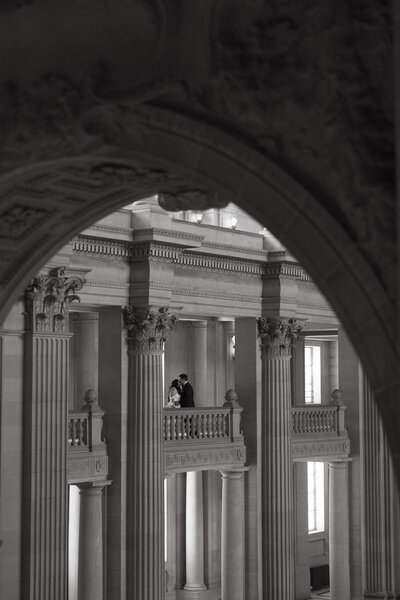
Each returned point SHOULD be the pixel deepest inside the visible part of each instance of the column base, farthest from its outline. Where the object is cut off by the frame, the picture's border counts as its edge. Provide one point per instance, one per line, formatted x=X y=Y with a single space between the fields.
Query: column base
x=199 y=594
x=194 y=587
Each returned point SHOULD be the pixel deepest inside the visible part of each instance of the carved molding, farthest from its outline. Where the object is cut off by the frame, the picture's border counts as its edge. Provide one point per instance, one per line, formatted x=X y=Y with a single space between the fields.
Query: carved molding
x=47 y=300
x=211 y=458
x=86 y=468
x=311 y=450
x=277 y=336
x=148 y=329
x=19 y=220
x=285 y=270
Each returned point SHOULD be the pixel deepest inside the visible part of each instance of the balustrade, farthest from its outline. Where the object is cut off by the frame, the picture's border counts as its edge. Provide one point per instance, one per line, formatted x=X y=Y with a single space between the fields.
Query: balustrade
x=78 y=429
x=318 y=419
x=199 y=423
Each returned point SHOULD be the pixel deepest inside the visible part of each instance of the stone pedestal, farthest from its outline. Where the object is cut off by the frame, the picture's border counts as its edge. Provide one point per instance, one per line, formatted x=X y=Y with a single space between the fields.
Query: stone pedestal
x=276 y=459
x=90 y=572
x=194 y=532
x=44 y=559
x=339 y=555
x=232 y=536
x=145 y=491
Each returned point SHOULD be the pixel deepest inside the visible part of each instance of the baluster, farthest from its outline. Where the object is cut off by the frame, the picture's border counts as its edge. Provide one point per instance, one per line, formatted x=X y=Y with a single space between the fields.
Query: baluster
x=208 y=425
x=318 y=415
x=73 y=433
x=167 y=420
x=225 y=431
x=173 y=435
x=201 y=425
x=188 y=423
x=295 y=421
x=307 y=423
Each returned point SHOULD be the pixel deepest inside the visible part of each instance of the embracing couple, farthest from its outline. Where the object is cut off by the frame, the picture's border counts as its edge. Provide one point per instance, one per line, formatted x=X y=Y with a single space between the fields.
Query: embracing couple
x=180 y=393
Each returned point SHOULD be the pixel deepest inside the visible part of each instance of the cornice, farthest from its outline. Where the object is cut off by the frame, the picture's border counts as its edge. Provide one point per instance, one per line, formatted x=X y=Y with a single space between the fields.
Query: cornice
x=219 y=264
x=216 y=295
x=107 y=284
x=286 y=270
x=102 y=248
x=168 y=233
x=262 y=254
x=112 y=229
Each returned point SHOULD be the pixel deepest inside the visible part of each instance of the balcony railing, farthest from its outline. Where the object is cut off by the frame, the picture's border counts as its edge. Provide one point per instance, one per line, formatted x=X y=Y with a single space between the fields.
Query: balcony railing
x=203 y=438
x=87 y=451
x=316 y=419
x=319 y=433
x=215 y=424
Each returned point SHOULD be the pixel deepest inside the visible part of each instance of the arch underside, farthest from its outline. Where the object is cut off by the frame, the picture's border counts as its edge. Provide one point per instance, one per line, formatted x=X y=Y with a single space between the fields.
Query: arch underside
x=46 y=202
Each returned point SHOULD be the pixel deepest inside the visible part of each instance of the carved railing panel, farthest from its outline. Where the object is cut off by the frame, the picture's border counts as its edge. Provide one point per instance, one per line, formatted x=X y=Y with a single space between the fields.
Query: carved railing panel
x=319 y=433
x=87 y=451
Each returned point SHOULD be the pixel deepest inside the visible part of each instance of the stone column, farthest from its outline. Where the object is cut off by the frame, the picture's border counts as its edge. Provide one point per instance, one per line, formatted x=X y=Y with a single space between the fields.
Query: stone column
x=44 y=559
x=194 y=532
x=339 y=547
x=381 y=501
x=276 y=458
x=90 y=571
x=232 y=535
x=200 y=379
x=145 y=494
x=87 y=351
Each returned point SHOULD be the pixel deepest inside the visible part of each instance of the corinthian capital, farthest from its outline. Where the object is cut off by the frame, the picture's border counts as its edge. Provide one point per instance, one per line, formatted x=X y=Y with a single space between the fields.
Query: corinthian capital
x=277 y=336
x=148 y=328
x=47 y=300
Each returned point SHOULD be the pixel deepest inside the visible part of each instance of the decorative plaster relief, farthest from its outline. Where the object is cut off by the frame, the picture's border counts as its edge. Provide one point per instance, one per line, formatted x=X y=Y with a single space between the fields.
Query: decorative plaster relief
x=19 y=220
x=277 y=335
x=86 y=468
x=148 y=328
x=329 y=449
x=212 y=458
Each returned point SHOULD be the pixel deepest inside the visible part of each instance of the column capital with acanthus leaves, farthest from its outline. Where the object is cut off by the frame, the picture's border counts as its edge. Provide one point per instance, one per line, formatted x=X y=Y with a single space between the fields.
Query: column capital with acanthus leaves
x=147 y=327
x=277 y=336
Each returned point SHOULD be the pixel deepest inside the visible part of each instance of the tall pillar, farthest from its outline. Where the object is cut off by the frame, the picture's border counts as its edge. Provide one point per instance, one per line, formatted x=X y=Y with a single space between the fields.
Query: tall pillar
x=381 y=503
x=194 y=532
x=87 y=351
x=339 y=545
x=200 y=379
x=44 y=574
x=145 y=486
x=90 y=570
x=232 y=536
x=276 y=460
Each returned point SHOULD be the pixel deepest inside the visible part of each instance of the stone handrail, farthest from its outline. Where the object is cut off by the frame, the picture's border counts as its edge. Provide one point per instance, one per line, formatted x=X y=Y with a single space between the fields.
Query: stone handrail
x=212 y=423
x=318 y=419
x=84 y=428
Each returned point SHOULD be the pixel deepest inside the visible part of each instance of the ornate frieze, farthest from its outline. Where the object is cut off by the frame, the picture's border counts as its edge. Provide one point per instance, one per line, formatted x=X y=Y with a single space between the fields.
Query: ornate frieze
x=286 y=270
x=220 y=264
x=303 y=450
x=148 y=328
x=47 y=300
x=215 y=458
x=86 y=468
x=18 y=220
x=277 y=335
x=102 y=248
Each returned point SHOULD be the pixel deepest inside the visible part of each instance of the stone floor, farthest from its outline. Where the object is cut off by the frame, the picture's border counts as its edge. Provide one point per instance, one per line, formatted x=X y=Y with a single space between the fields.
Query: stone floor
x=322 y=594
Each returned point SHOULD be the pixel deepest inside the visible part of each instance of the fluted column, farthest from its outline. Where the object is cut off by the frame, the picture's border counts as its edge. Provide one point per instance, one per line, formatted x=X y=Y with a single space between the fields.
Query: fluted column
x=276 y=461
x=381 y=496
x=87 y=351
x=232 y=535
x=90 y=571
x=200 y=380
x=339 y=547
x=44 y=559
x=145 y=502
x=194 y=532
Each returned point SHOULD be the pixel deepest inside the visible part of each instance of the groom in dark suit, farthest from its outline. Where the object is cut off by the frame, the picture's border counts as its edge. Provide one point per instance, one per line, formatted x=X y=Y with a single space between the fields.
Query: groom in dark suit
x=186 y=400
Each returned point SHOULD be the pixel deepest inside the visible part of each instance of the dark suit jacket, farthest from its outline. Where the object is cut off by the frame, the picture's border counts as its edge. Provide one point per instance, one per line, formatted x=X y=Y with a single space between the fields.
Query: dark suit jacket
x=187 y=396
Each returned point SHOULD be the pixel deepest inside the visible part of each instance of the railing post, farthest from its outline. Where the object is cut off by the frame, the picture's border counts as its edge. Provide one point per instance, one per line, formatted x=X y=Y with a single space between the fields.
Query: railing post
x=95 y=419
x=235 y=414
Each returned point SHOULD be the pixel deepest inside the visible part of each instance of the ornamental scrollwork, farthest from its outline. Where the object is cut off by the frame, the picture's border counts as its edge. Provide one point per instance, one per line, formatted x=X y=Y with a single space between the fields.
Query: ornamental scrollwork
x=277 y=336
x=47 y=300
x=148 y=328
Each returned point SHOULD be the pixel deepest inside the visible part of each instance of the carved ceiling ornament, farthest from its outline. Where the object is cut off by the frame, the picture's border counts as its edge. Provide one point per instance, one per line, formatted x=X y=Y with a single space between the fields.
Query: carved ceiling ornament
x=277 y=336
x=148 y=328
x=47 y=300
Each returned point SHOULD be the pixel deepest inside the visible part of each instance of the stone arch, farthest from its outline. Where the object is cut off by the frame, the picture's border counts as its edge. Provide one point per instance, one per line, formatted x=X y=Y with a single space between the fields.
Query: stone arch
x=51 y=200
